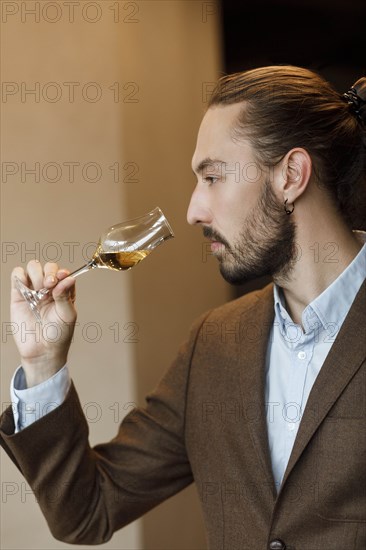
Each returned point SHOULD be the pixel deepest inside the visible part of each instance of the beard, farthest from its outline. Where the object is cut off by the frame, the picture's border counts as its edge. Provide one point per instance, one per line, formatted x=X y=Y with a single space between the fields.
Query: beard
x=266 y=244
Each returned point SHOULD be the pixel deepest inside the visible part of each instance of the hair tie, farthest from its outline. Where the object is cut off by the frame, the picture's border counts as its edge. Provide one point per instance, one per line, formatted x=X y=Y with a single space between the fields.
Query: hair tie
x=355 y=102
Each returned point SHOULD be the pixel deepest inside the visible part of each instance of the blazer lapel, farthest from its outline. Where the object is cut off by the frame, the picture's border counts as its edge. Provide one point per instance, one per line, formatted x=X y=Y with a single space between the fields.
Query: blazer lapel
x=255 y=325
x=342 y=362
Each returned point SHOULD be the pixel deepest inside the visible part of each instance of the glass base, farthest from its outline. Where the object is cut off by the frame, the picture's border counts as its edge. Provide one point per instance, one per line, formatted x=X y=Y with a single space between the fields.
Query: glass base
x=31 y=297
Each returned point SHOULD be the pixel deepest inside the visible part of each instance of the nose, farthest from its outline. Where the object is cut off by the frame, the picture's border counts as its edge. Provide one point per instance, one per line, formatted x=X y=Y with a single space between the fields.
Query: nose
x=198 y=210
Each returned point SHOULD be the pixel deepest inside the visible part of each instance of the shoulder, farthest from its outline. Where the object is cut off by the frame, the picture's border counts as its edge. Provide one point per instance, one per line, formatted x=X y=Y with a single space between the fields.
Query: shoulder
x=243 y=305
x=254 y=307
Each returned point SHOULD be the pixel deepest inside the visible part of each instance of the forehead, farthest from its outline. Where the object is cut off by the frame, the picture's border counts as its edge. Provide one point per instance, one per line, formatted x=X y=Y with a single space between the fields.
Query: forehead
x=215 y=136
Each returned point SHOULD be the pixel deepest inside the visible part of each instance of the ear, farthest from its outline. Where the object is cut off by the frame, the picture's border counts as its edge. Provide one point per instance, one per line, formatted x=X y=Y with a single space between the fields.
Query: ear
x=294 y=173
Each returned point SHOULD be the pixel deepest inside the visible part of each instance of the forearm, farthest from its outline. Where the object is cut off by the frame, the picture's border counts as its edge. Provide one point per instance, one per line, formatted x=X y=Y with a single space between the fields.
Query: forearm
x=50 y=453
x=87 y=494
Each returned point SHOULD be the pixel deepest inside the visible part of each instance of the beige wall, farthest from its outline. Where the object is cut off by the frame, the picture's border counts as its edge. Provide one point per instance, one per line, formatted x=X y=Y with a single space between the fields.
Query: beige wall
x=162 y=54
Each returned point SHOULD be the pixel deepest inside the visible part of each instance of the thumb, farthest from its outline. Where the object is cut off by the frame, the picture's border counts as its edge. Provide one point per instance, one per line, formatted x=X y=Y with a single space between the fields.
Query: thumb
x=64 y=296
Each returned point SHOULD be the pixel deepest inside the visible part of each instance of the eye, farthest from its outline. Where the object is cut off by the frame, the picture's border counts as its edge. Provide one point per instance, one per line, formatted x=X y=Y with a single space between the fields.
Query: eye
x=210 y=179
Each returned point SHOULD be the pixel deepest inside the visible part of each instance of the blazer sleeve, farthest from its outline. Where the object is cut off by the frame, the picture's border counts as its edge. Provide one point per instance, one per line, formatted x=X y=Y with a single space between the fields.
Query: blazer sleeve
x=88 y=493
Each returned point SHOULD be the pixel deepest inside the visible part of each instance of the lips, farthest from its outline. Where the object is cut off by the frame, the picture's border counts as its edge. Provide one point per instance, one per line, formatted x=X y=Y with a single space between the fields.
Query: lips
x=218 y=243
x=216 y=246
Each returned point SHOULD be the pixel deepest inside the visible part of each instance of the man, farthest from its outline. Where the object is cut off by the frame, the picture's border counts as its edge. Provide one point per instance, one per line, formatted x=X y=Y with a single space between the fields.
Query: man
x=271 y=424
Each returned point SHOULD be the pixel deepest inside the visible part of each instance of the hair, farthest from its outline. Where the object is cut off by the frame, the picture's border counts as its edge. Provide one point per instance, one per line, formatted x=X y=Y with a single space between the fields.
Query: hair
x=286 y=107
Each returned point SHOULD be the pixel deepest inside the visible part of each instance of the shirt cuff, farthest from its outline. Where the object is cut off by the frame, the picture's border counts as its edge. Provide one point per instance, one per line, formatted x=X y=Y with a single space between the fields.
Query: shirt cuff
x=31 y=404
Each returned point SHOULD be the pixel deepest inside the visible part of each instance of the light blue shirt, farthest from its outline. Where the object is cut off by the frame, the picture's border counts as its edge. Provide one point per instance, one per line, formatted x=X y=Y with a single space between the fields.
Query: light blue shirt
x=294 y=359
x=295 y=356
x=31 y=404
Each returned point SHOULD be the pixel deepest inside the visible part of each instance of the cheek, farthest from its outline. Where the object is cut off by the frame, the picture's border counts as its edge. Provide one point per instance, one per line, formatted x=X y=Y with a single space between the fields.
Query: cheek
x=235 y=202
x=229 y=212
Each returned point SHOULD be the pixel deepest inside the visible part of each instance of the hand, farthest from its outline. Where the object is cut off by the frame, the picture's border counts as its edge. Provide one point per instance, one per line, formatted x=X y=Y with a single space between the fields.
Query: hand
x=43 y=347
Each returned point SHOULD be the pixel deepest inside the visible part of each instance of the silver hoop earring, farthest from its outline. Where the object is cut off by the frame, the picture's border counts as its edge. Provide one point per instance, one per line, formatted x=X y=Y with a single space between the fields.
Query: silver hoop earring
x=288 y=212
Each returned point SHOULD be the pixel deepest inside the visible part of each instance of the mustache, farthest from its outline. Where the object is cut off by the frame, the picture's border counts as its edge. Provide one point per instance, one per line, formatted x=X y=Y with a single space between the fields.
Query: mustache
x=213 y=235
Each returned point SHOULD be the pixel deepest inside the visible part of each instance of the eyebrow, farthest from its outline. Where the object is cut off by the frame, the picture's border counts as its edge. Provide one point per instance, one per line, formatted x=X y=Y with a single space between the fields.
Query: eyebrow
x=207 y=162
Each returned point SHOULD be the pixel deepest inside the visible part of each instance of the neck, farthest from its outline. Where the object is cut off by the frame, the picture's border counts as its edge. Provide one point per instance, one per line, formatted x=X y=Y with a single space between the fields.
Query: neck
x=324 y=251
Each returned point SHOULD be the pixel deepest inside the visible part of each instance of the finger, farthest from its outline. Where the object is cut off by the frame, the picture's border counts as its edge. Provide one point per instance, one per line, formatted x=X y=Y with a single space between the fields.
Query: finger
x=18 y=273
x=62 y=274
x=64 y=288
x=35 y=274
x=50 y=274
x=22 y=276
x=64 y=297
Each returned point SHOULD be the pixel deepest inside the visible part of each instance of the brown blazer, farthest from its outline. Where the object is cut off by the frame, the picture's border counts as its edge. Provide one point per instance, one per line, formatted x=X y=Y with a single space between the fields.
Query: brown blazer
x=206 y=423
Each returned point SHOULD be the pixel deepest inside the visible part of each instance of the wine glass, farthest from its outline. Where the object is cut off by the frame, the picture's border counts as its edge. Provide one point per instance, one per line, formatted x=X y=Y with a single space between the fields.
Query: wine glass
x=120 y=247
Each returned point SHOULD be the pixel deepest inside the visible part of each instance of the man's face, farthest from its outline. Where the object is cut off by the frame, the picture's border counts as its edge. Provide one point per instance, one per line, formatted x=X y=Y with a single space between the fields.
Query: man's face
x=234 y=201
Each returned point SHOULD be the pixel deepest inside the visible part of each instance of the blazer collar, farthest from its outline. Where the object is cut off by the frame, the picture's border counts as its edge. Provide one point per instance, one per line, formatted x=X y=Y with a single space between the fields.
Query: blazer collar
x=342 y=362
x=255 y=326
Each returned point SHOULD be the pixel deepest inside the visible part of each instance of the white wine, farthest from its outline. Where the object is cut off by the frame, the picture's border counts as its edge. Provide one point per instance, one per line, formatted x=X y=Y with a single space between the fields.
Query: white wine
x=120 y=261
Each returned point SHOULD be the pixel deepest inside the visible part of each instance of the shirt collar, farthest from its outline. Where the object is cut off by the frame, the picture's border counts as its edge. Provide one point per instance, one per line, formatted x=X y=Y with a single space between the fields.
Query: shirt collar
x=333 y=304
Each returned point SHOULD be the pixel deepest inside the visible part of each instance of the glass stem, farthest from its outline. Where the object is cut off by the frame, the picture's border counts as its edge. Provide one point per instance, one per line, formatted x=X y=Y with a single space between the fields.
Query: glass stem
x=39 y=294
x=90 y=265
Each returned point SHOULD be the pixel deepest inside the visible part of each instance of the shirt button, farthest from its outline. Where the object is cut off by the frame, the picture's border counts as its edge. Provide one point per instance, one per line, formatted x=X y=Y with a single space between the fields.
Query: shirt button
x=30 y=408
x=277 y=545
x=301 y=355
x=291 y=426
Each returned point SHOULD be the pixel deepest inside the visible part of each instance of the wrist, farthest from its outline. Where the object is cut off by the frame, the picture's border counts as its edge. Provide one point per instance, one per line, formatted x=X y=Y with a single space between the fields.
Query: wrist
x=38 y=370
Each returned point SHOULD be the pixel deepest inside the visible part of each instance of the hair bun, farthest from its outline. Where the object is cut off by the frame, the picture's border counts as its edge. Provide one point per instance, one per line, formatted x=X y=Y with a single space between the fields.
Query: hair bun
x=356 y=99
